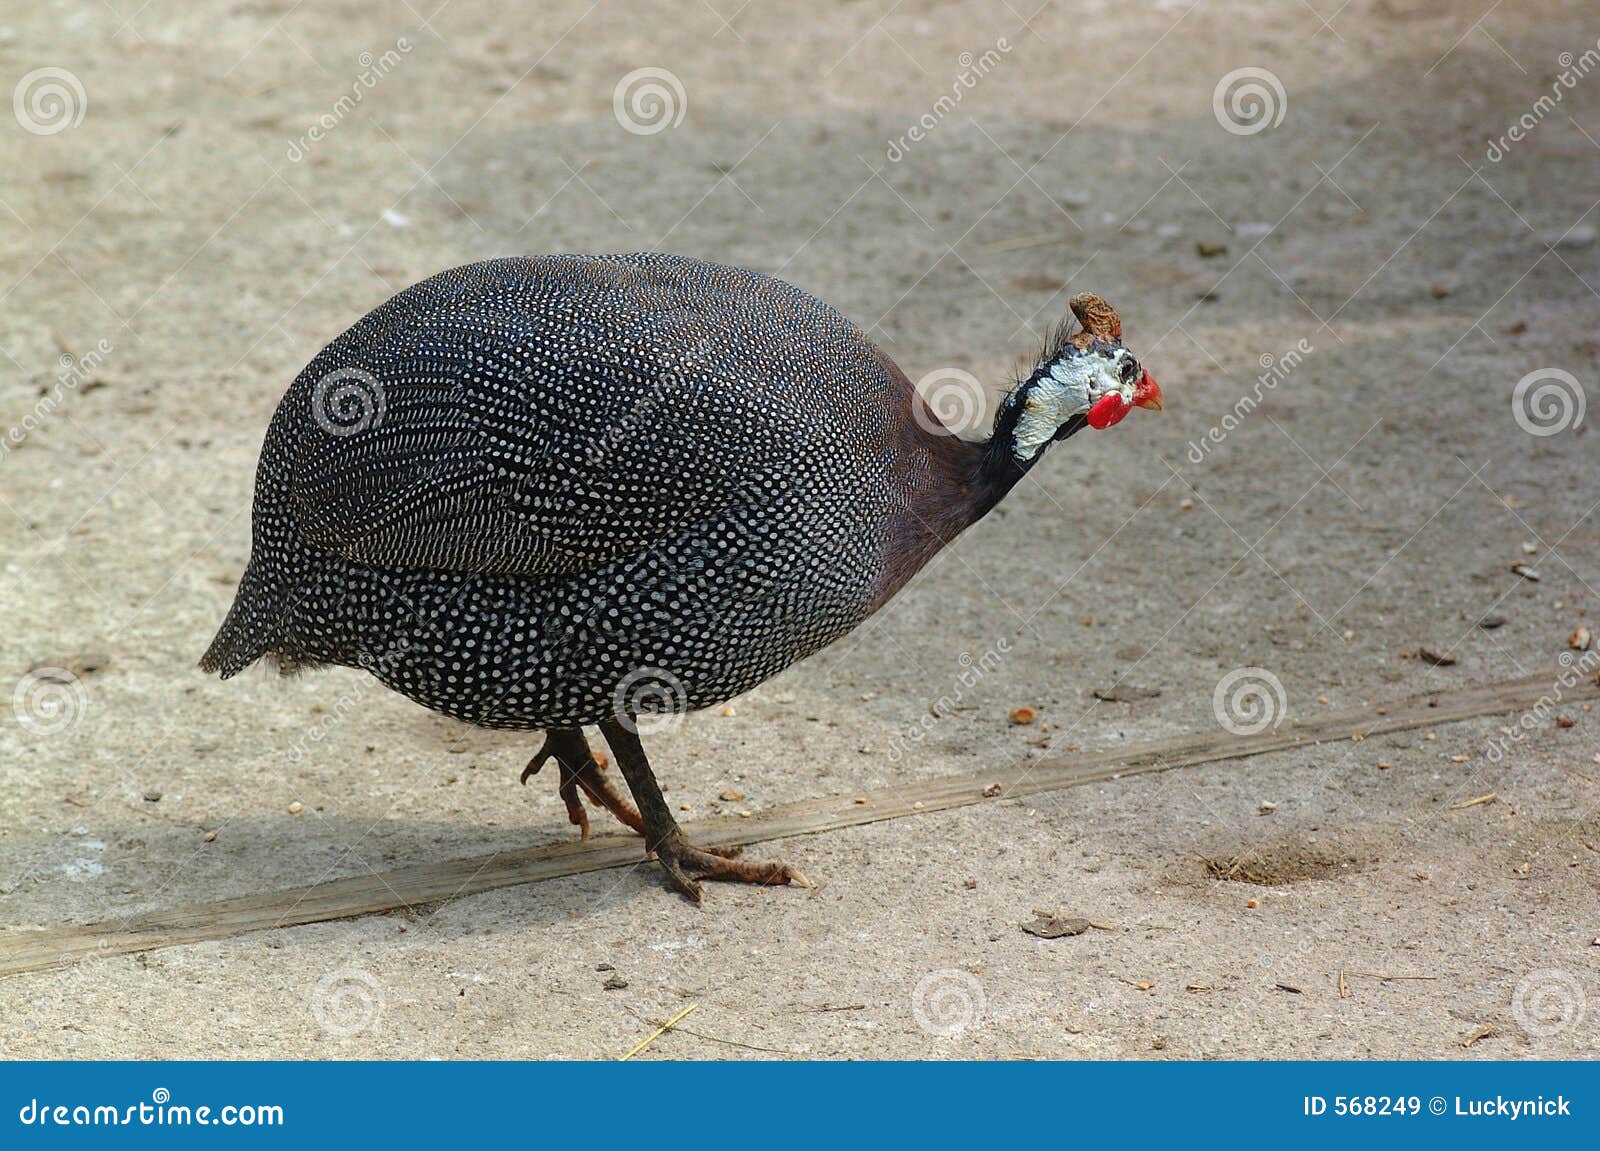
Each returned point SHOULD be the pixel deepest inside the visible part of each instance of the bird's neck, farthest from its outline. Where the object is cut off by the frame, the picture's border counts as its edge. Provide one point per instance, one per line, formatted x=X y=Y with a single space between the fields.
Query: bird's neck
x=952 y=483
x=1014 y=446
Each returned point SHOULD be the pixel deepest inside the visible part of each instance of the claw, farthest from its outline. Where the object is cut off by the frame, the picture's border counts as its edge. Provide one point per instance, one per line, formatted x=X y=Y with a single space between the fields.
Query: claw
x=582 y=775
x=577 y=815
x=683 y=863
x=678 y=880
x=536 y=763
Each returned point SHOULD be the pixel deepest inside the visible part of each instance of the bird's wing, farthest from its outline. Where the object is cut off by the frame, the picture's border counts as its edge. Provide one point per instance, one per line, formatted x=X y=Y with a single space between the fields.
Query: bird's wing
x=541 y=417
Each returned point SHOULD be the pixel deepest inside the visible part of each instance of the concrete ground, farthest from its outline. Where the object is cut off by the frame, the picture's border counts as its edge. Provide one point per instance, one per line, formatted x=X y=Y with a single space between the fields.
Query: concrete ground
x=195 y=200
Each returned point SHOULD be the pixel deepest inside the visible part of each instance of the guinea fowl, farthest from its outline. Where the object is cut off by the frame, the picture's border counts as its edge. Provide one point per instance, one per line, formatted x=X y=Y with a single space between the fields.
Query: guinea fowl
x=550 y=492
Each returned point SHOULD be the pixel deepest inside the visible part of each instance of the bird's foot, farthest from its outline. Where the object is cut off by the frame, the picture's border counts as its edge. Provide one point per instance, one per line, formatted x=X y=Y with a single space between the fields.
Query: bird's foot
x=685 y=863
x=582 y=773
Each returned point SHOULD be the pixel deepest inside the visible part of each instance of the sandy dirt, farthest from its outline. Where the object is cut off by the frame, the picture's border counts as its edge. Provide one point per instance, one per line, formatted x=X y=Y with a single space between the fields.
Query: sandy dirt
x=190 y=244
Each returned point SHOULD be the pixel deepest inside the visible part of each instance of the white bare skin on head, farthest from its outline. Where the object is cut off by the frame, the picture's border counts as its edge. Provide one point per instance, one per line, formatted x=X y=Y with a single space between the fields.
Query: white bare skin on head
x=1069 y=389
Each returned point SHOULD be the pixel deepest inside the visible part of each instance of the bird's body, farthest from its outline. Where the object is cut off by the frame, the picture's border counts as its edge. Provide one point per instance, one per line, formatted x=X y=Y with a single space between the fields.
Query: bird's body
x=520 y=482
x=550 y=492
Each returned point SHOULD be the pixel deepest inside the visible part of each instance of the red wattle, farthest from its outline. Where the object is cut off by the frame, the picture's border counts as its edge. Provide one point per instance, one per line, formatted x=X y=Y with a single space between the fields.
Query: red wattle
x=1107 y=410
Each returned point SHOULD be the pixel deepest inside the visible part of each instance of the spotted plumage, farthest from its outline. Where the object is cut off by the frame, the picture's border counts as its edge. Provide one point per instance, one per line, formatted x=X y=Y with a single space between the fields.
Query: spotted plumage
x=567 y=490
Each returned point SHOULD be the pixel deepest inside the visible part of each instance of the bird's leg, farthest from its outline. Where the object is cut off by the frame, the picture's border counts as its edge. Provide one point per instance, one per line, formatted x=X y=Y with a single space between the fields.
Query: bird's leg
x=581 y=770
x=681 y=860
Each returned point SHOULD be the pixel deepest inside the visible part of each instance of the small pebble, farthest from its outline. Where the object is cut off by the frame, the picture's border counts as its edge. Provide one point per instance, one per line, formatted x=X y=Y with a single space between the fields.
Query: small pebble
x=1252 y=904
x=296 y=808
x=732 y=796
x=152 y=797
x=1023 y=715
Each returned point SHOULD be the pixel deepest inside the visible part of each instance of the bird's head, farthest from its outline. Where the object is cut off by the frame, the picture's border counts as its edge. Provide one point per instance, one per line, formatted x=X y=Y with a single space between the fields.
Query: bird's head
x=1084 y=378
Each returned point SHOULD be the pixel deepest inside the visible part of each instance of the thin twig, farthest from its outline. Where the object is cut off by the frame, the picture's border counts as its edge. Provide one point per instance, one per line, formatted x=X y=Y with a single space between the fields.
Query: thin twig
x=1018 y=243
x=659 y=1032
x=735 y=1042
x=150 y=811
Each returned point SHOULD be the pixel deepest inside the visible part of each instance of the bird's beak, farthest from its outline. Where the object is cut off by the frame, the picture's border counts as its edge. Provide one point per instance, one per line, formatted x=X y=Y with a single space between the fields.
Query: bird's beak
x=1147 y=393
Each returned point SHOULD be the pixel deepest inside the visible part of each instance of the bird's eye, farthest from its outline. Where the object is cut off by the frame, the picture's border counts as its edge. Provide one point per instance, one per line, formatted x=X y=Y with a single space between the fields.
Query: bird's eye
x=1130 y=368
